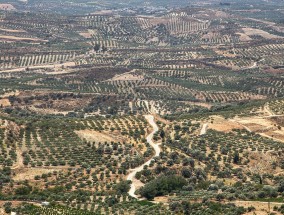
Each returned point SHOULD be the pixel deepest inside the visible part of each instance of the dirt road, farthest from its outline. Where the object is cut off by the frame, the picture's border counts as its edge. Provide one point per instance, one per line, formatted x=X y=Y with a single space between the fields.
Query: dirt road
x=131 y=175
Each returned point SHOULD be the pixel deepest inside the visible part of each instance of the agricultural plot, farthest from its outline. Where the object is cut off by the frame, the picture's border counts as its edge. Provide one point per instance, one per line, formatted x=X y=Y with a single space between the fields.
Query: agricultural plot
x=276 y=107
x=122 y=208
x=75 y=89
x=231 y=157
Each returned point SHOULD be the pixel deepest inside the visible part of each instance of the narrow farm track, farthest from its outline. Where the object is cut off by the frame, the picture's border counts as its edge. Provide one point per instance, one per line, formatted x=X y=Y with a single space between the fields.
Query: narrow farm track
x=131 y=175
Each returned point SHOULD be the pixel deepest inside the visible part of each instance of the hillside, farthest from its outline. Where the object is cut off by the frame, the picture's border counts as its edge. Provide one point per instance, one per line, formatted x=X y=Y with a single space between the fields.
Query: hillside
x=134 y=107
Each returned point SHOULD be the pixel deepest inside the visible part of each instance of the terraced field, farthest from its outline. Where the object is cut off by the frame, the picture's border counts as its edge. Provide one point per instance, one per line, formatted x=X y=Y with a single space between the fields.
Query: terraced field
x=77 y=79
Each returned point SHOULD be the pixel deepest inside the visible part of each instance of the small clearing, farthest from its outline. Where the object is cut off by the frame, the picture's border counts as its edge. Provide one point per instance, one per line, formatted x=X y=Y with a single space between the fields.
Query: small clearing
x=94 y=136
x=128 y=76
x=264 y=34
x=30 y=173
x=86 y=35
x=7 y=7
x=262 y=208
x=203 y=129
x=221 y=124
x=12 y=30
x=13 y=38
x=5 y=103
x=244 y=37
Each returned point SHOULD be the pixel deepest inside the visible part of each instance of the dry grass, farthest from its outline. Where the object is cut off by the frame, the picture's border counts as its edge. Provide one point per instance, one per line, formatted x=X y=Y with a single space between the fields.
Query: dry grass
x=244 y=37
x=7 y=7
x=264 y=34
x=5 y=103
x=95 y=136
x=262 y=208
x=12 y=30
x=128 y=76
x=263 y=126
x=30 y=173
x=277 y=134
x=256 y=123
x=86 y=35
x=13 y=38
x=223 y=125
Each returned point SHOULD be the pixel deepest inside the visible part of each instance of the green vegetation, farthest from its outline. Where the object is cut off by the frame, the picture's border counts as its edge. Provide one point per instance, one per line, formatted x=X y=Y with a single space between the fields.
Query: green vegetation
x=77 y=79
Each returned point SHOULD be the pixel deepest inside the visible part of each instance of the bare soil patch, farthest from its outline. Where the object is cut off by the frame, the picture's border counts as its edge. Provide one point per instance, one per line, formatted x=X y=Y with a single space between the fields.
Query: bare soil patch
x=256 y=123
x=128 y=77
x=5 y=103
x=264 y=34
x=12 y=30
x=13 y=38
x=30 y=173
x=223 y=125
x=277 y=134
x=201 y=104
x=161 y=199
x=86 y=35
x=8 y=7
x=262 y=208
x=95 y=136
x=263 y=126
x=244 y=37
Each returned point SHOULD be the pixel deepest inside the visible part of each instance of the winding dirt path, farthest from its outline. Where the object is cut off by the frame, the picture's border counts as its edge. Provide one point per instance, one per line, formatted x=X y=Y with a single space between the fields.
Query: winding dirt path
x=131 y=175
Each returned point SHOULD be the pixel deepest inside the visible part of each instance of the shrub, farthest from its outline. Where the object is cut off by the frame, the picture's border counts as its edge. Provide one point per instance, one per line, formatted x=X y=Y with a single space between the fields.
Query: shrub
x=163 y=185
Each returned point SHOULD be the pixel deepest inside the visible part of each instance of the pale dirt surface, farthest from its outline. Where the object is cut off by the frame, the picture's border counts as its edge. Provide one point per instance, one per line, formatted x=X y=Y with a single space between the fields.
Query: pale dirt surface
x=262 y=208
x=30 y=173
x=86 y=35
x=94 y=136
x=262 y=163
x=204 y=129
x=268 y=110
x=51 y=66
x=263 y=21
x=274 y=135
x=222 y=124
x=103 y=12
x=2 y=211
x=162 y=120
x=255 y=122
x=7 y=7
x=4 y=37
x=16 y=93
x=20 y=160
x=12 y=30
x=261 y=125
x=128 y=77
x=5 y=103
x=201 y=104
x=244 y=37
x=161 y=199
x=131 y=176
x=254 y=31
x=47 y=110
x=279 y=132
x=224 y=53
